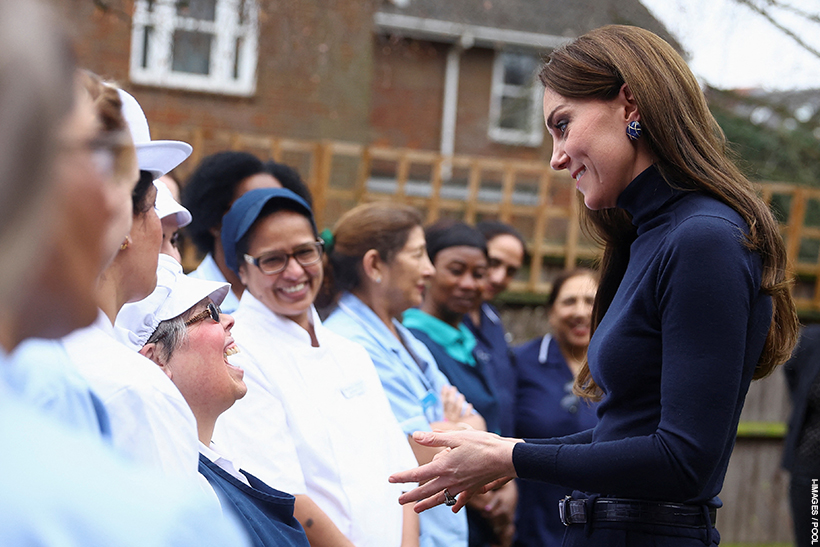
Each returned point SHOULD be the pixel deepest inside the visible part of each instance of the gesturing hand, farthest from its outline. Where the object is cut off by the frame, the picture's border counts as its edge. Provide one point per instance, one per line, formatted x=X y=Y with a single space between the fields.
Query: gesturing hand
x=476 y=459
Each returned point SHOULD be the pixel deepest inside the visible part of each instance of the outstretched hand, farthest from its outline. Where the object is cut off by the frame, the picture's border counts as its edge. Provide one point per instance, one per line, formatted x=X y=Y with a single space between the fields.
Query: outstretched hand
x=475 y=460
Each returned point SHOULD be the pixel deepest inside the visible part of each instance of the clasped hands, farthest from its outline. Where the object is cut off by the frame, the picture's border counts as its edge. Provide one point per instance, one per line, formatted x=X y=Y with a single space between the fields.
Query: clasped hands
x=473 y=462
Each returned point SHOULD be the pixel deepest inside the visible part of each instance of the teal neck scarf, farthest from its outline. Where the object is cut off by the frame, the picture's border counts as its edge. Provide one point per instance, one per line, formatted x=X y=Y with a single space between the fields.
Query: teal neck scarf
x=458 y=343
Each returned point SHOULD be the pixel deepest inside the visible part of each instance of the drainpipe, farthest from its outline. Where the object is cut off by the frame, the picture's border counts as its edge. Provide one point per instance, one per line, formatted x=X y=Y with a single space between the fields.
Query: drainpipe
x=448 y=114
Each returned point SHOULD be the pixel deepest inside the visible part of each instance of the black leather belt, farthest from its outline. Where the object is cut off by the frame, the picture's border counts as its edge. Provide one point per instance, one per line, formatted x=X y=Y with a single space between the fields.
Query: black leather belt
x=576 y=511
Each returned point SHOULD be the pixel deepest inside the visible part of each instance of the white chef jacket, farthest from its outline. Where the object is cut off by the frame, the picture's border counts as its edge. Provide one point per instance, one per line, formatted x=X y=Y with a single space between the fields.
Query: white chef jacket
x=262 y=441
x=150 y=420
x=347 y=439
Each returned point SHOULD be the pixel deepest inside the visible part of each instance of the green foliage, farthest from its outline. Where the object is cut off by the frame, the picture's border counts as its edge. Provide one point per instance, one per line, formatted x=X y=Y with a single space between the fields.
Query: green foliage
x=771 y=154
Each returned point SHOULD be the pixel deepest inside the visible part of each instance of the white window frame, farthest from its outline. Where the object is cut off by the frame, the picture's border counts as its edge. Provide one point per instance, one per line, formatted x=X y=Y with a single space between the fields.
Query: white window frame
x=533 y=136
x=226 y=29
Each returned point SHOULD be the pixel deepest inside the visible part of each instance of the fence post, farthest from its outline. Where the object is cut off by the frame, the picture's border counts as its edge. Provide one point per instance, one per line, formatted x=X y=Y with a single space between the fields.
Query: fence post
x=541 y=216
x=794 y=227
x=324 y=160
x=507 y=185
x=472 y=191
x=434 y=206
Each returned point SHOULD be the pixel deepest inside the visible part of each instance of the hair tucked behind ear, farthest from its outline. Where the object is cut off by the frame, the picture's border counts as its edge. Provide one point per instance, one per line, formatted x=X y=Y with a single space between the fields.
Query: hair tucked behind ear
x=692 y=154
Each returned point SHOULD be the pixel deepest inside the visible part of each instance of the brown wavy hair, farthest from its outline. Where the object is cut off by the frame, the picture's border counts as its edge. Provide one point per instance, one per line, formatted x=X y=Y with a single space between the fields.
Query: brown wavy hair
x=692 y=155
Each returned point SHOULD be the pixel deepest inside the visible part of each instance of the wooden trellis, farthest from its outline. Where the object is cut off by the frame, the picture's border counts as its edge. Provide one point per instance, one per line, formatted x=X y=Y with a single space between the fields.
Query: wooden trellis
x=539 y=201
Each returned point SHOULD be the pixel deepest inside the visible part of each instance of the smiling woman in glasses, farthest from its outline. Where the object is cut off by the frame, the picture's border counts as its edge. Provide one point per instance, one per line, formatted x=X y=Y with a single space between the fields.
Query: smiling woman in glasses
x=327 y=384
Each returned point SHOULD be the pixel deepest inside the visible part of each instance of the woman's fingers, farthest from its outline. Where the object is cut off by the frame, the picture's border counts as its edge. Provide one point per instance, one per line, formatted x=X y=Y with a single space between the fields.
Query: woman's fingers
x=428 y=438
x=431 y=490
x=496 y=484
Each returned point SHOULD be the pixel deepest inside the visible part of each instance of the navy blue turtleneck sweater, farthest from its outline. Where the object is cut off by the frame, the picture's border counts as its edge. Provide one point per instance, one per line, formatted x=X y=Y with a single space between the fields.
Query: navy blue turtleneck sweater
x=675 y=354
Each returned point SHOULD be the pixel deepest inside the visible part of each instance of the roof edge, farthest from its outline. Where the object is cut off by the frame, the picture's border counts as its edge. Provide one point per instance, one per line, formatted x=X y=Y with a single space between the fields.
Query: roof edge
x=450 y=32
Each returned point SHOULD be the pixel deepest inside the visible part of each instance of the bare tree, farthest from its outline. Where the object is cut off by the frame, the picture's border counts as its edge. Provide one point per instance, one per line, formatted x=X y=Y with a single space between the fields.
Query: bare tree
x=768 y=8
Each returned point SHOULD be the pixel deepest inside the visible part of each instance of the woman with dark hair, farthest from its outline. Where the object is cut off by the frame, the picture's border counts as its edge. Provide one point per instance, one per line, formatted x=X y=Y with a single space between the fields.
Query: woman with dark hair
x=289 y=178
x=327 y=384
x=693 y=304
x=218 y=181
x=546 y=405
x=505 y=255
x=376 y=268
x=459 y=254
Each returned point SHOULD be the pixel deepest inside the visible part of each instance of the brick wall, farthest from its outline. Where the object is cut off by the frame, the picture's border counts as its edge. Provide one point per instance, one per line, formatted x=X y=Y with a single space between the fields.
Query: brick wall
x=322 y=74
x=313 y=73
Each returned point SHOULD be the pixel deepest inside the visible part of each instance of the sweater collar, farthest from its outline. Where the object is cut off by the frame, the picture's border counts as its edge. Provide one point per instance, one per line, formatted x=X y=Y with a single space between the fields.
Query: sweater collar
x=645 y=195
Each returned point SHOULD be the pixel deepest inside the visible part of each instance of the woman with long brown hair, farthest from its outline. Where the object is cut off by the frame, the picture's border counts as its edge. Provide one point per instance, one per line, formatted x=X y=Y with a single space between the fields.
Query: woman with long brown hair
x=693 y=304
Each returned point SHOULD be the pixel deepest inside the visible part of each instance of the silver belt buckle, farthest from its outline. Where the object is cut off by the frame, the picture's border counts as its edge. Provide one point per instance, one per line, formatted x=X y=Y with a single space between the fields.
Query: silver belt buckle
x=562 y=510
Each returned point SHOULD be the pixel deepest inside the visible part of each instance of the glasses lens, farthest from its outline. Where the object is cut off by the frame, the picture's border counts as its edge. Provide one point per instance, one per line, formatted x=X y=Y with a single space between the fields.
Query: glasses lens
x=308 y=255
x=214 y=312
x=273 y=263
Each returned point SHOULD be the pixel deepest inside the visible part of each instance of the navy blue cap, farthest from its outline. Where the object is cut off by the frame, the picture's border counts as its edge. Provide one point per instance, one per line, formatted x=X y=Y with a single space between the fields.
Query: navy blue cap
x=246 y=210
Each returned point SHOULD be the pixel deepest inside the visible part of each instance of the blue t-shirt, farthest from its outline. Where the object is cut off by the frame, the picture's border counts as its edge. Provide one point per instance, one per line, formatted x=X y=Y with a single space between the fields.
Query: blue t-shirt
x=674 y=354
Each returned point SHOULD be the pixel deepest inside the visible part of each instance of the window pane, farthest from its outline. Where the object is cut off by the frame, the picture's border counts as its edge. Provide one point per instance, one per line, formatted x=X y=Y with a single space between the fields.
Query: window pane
x=197 y=9
x=242 y=10
x=192 y=52
x=146 y=43
x=515 y=113
x=519 y=69
x=237 y=57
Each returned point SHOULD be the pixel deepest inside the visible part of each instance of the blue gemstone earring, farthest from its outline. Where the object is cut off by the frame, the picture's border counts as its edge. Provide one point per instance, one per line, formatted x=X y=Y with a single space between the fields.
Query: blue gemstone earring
x=633 y=130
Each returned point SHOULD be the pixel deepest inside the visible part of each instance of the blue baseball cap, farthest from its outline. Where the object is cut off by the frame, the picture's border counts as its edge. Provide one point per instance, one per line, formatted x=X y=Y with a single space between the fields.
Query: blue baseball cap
x=246 y=210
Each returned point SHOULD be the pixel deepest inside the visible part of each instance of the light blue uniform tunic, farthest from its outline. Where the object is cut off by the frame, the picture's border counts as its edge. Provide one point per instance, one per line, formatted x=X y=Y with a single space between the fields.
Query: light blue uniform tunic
x=412 y=384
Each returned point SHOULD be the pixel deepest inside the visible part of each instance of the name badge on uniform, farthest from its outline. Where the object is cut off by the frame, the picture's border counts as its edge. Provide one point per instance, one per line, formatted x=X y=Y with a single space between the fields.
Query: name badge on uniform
x=353 y=390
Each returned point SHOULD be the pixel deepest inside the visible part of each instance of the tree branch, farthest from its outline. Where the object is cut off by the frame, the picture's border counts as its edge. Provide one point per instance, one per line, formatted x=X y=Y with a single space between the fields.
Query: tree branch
x=788 y=32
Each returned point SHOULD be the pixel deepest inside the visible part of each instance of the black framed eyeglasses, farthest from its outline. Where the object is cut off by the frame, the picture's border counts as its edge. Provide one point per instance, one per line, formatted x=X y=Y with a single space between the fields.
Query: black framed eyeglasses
x=275 y=262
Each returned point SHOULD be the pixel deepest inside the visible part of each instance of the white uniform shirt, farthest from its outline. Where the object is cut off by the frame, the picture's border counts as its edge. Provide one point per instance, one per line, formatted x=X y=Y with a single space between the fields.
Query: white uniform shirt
x=226 y=463
x=150 y=420
x=347 y=439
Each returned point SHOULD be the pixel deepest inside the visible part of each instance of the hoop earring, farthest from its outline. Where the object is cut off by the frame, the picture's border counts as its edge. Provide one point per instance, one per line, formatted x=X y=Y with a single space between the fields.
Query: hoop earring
x=633 y=130
x=125 y=244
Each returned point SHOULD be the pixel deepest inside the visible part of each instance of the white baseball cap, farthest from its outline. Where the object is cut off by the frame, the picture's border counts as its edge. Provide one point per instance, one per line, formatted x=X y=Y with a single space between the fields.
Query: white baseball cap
x=167 y=205
x=156 y=157
x=175 y=294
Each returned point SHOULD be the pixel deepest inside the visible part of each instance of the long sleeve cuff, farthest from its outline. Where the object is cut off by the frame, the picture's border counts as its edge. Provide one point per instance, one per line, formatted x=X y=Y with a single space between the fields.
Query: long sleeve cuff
x=535 y=461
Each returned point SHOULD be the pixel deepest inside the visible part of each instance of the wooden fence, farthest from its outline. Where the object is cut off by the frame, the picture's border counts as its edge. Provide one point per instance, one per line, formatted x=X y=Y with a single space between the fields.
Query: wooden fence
x=529 y=195
x=541 y=204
